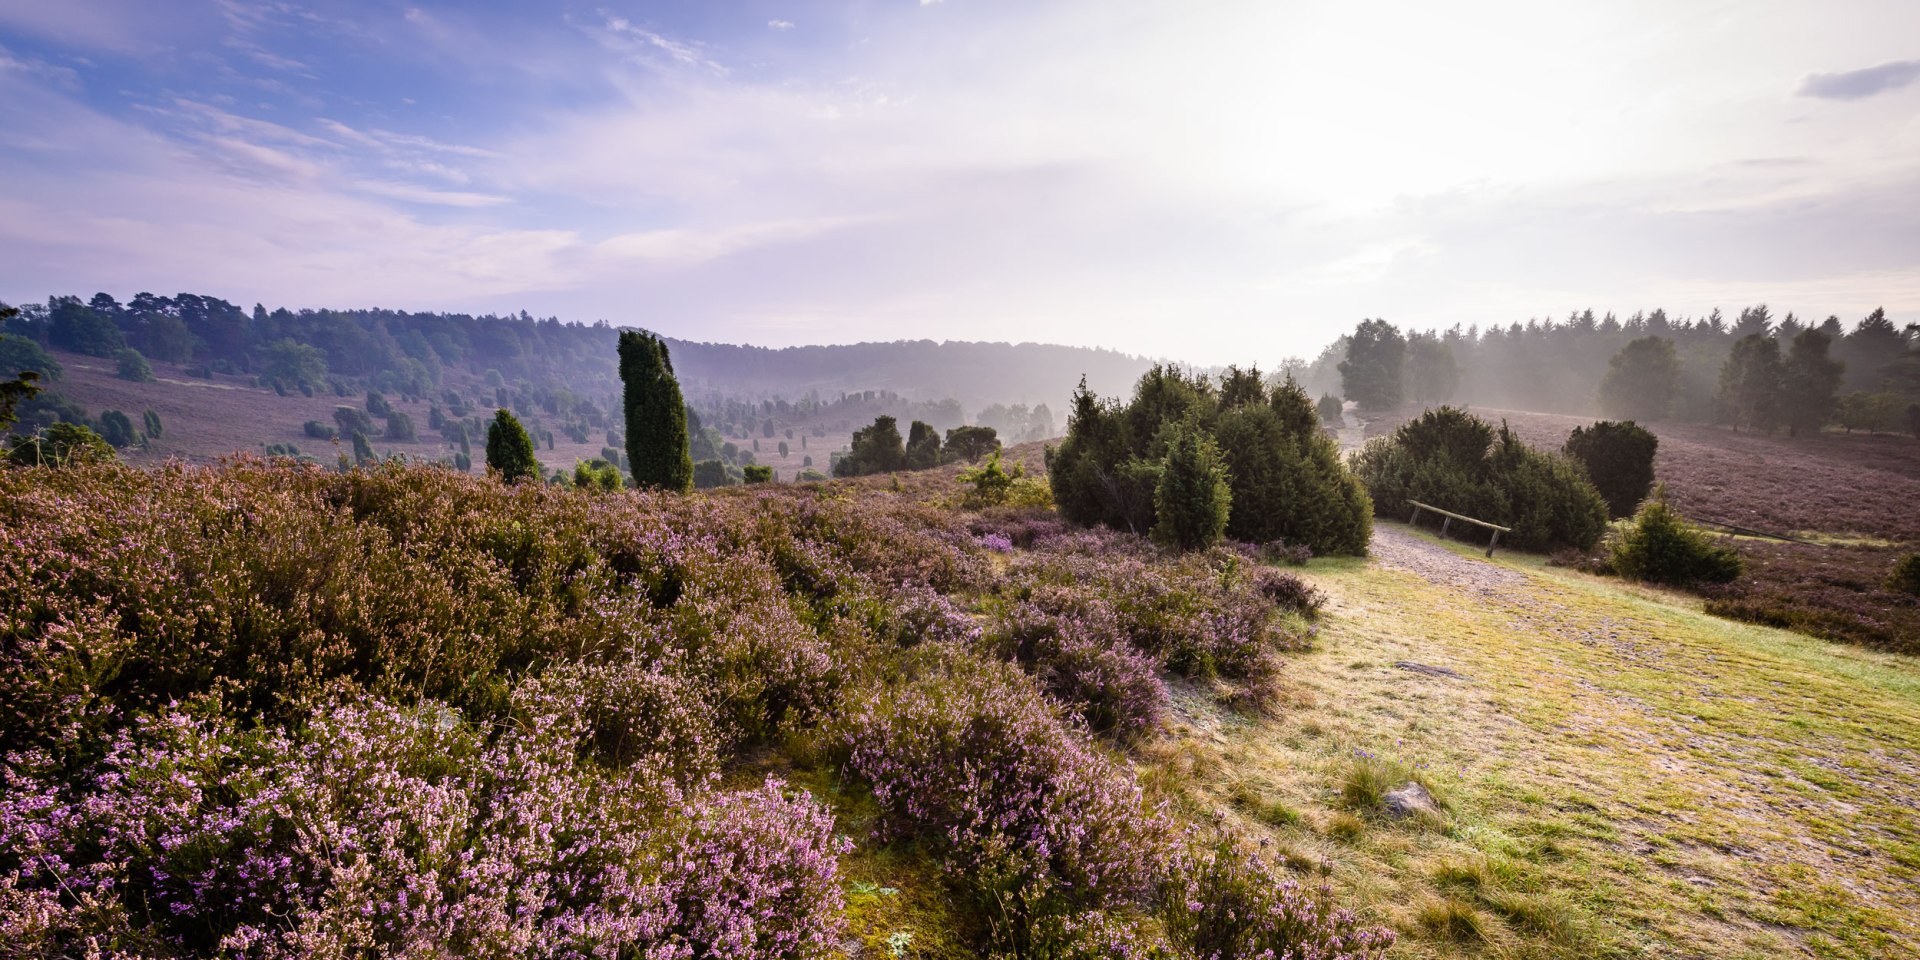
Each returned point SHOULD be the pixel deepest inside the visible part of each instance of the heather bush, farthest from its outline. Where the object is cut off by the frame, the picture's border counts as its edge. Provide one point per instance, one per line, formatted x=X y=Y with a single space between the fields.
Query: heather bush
x=1223 y=900
x=1078 y=650
x=1029 y=817
x=378 y=829
x=1288 y=592
x=1659 y=546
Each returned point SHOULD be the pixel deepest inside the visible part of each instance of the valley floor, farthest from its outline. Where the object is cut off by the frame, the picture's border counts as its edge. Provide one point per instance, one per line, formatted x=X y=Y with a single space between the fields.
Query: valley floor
x=1623 y=774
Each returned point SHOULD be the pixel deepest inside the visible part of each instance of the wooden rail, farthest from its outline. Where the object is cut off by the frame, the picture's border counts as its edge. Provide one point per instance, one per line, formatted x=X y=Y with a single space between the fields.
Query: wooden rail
x=1450 y=516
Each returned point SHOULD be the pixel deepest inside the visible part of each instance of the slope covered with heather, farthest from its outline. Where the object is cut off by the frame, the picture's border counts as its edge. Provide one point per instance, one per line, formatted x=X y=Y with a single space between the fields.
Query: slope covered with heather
x=266 y=709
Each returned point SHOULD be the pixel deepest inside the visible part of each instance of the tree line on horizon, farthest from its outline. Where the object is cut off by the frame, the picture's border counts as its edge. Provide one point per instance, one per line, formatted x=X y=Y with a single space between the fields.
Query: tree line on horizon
x=1752 y=373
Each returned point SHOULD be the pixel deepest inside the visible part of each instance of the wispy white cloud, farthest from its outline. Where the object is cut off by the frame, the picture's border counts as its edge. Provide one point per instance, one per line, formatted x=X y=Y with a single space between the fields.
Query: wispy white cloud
x=780 y=24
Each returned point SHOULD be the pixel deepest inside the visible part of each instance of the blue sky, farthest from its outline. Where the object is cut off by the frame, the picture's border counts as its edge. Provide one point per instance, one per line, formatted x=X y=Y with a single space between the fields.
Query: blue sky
x=1210 y=181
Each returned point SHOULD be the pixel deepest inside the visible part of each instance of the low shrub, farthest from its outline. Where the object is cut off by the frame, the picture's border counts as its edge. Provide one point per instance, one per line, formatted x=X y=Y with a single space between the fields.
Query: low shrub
x=1453 y=460
x=1288 y=592
x=1079 y=652
x=1905 y=575
x=1659 y=546
x=1028 y=816
x=1224 y=900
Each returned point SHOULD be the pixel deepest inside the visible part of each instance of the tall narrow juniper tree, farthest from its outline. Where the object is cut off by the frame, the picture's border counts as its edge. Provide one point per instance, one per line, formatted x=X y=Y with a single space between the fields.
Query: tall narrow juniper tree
x=509 y=449
x=656 y=415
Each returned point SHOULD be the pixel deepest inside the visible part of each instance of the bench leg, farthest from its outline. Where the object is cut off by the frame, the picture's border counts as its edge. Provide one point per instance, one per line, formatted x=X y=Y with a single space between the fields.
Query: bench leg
x=1491 y=543
x=1444 y=524
x=1414 y=517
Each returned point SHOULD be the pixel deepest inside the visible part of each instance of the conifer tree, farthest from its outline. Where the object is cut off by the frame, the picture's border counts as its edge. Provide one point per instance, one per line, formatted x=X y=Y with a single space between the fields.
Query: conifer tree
x=1193 y=497
x=657 y=452
x=509 y=448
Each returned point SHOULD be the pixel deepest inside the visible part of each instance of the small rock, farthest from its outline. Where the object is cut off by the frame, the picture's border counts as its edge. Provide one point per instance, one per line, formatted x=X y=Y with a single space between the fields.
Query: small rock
x=1700 y=881
x=1411 y=800
x=1430 y=671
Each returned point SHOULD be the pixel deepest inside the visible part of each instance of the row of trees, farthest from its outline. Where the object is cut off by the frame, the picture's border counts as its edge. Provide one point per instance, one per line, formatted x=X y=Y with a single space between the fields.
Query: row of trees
x=879 y=448
x=1753 y=372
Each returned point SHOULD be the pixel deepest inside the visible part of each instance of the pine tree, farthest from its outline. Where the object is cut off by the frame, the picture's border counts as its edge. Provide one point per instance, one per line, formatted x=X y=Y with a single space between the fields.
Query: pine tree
x=657 y=451
x=923 y=446
x=509 y=448
x=1812 y=382
x=1750 y=382
x=362 y=450
x=1641 y=380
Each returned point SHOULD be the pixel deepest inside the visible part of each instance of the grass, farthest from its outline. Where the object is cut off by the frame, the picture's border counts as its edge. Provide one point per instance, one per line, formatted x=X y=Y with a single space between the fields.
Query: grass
x=1624 y=775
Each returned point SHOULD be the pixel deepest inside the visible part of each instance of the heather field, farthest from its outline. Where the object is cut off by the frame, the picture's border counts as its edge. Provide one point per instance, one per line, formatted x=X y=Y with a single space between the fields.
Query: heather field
x=266 y=709
x=1850 y=495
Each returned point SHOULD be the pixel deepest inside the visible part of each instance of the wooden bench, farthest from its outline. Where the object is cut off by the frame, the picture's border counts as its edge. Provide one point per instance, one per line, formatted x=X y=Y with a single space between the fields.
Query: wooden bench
x=1451 y=517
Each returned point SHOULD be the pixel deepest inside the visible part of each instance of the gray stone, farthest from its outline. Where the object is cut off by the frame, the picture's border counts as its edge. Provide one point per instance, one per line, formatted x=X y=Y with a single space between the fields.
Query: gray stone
x=1411 y=800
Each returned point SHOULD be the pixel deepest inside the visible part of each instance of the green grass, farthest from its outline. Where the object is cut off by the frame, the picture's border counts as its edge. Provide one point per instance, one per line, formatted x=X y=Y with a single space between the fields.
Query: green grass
x=1624 y=775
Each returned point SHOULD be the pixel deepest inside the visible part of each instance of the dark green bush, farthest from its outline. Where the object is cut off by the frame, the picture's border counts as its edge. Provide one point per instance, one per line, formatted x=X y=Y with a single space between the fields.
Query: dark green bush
x=1285 y=474
x=1193 y=497
x=62 y=444
x=1453 y=460
x=1661 y=547
x=757 y=473
x=1905 y=575
x=130 y=365
x=1618 y=457
x=320 y=431
x=708 y=474
x=509 y=449
x=117 y=429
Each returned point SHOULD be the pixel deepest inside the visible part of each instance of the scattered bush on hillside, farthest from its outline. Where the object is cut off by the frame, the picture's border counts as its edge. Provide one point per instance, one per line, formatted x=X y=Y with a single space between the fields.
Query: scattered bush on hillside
x=117 y=429
x=352 y=420
x=320 y=431
x=876 y=448
x=1618 y=457
x=1332 y=412
x=1659 y=546
x=597 y=475
x=1905 y=575
x=130 y=365
x=992 y=482
x=1283 y=473
x=19 y=354
x=400 y=427
x=757 y=473
x=1453 y=460
x=61 y=445
x=509 y=450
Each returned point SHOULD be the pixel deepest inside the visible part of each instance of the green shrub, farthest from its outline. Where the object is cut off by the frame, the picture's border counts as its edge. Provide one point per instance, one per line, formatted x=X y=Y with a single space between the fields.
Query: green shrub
x=1331 y=410
x=1905 y=575
x=509 y=449
x=757 y=473
x=1193 y=496
x=352 y=420
x=708 y=474
x=19 y=354
x=1453 y=460
x=1285 y=474
x=117 y=429
x=61 y=444
x=991 y=482
x=317 y=430
x=656 y=415
x=1661 y=547
x=400 y=427
x=130 y=365
x=1618 y=457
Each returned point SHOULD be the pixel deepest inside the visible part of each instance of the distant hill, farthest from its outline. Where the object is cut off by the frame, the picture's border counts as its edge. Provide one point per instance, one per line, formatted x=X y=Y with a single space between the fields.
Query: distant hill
x=562 y=375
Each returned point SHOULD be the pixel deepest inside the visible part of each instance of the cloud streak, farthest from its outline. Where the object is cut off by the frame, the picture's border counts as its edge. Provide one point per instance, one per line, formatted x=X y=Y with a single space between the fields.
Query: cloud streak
x=1860 y=84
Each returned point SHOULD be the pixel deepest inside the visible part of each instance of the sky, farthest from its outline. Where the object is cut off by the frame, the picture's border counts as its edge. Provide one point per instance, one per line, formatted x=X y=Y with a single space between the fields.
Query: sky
x=1209 y=181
